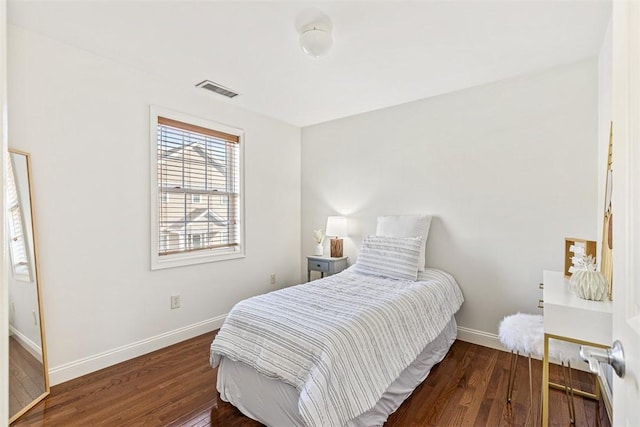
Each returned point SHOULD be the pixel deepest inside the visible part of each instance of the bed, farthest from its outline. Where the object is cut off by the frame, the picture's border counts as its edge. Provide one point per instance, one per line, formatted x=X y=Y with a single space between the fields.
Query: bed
x=345 y=350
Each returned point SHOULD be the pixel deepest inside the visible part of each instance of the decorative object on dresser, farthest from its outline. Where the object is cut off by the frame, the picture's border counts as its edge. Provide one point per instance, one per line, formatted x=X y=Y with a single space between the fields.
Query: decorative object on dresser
x=574 y=250
x=318 y=235
x=588 y=283
x=325 y=265
x=336 y=227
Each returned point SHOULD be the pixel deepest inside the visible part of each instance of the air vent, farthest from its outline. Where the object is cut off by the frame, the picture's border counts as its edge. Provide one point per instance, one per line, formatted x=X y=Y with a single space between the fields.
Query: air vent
x=214 y=87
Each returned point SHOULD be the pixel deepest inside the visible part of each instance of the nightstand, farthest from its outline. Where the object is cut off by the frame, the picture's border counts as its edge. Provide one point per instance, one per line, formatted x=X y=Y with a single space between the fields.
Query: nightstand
x=325 y=265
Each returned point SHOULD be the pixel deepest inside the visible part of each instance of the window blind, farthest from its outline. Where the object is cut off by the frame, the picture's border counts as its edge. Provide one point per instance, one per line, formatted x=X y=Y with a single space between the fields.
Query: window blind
x=17 y=246
x=198 y=188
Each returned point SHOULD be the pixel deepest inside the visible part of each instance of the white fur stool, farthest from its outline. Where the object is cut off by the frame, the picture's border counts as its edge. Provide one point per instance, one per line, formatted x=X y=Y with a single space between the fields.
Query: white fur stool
x=524 y=334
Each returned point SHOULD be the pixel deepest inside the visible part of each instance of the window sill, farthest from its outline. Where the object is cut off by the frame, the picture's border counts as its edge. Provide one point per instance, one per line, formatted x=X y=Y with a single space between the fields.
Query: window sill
x=181 y=260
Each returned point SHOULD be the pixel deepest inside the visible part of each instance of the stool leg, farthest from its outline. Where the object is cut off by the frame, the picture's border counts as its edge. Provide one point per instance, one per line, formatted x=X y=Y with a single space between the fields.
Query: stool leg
x=596 y=391
x=531 y=392
x=568 y=387
x=541 y=398
x=513 y=360
x=573 y=405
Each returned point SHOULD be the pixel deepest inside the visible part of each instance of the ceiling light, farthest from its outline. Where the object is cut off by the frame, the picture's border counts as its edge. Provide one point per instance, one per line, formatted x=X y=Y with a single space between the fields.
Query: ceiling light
x=315 y=38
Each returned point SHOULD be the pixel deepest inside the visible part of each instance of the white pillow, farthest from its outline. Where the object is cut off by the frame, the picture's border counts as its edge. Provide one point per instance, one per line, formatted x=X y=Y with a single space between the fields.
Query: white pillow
x=392 y=257
x=406 y=226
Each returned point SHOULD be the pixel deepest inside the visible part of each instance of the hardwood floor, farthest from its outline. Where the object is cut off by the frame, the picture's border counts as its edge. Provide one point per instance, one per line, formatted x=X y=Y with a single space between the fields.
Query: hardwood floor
x=176 y=387
x=26 y=382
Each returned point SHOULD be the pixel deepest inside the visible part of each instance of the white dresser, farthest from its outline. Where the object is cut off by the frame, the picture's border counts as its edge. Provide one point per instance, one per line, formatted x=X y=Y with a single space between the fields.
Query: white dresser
x=569 y=316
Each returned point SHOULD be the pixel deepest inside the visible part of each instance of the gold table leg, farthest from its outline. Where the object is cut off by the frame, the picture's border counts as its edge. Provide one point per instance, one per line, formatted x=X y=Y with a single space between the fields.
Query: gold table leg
x=545 y=376
x=545 y=383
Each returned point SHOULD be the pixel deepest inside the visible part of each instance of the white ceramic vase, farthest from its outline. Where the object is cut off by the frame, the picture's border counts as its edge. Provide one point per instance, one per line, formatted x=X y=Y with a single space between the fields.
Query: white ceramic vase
x=318 y=250
x=590 y=285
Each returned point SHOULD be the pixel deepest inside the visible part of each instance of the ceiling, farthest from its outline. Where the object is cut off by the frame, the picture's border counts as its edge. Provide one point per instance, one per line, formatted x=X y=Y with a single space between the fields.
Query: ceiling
x=384 y=53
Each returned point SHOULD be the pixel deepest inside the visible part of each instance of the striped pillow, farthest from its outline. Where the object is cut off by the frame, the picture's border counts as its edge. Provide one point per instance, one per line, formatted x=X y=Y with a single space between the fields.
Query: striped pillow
x=392 y=257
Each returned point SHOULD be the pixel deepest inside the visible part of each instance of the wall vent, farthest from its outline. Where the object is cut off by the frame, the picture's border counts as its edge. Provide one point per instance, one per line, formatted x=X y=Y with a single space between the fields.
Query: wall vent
x=214 y=87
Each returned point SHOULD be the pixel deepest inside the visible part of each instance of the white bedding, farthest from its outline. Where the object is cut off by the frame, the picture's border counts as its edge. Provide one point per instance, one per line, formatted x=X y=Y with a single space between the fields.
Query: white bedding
x=275 y=403
x=340 y=341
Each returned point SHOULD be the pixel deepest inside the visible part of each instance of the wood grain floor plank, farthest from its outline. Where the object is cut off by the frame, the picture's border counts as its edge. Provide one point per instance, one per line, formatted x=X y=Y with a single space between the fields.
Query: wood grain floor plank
x=480 y=384
x=176 y=387
x=26 y=381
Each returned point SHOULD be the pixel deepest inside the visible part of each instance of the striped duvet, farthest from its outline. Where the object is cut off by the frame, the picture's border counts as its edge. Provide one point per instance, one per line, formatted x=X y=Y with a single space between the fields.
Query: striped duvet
x=340 y=341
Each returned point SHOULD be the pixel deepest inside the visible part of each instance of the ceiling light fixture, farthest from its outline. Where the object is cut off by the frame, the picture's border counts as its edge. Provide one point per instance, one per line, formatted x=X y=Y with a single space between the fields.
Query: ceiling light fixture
x=315 y=38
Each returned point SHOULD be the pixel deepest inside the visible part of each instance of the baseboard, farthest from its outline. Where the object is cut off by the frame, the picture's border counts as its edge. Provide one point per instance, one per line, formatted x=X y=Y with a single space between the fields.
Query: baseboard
x=77 y=368
x=482 y=338
x=486 y=339
x=34 y=349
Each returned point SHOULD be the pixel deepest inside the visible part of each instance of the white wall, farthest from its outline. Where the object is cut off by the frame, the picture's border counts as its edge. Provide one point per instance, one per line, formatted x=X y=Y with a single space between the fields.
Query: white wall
x=85 y=121
x=508 y=169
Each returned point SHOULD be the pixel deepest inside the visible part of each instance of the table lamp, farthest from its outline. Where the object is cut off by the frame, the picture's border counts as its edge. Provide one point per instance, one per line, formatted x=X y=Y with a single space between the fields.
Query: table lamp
x=336 y=227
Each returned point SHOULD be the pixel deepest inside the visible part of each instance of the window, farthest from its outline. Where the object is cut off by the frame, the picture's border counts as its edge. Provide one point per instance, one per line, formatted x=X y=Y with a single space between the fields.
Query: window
x=196 y=191
x=195 y=240
x=17 y=244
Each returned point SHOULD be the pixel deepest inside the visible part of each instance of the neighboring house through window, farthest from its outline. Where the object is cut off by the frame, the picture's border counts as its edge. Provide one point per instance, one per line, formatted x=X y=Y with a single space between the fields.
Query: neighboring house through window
x=196 y=191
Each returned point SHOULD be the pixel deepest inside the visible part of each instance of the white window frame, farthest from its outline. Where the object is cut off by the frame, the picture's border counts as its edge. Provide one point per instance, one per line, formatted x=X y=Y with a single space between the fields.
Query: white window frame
x=194 y=257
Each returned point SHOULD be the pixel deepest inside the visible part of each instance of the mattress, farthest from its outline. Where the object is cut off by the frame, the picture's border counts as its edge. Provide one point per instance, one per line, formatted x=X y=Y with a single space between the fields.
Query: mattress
x=275 y=403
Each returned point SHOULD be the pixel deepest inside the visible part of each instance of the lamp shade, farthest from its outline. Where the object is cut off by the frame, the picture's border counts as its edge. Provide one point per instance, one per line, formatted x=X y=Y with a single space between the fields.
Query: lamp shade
x=336 y=226
x=315 y=39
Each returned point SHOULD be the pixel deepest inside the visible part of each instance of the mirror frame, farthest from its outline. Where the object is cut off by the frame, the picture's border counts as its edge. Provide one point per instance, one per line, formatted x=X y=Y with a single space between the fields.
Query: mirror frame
x=36 y=272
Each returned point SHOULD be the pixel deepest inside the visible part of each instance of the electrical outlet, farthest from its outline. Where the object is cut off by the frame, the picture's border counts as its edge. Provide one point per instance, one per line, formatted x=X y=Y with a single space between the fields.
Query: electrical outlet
x=175 y=301
x=273 y=278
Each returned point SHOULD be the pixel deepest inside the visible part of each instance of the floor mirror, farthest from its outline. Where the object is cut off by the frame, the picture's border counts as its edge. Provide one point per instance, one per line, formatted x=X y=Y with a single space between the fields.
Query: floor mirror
x=28 y=378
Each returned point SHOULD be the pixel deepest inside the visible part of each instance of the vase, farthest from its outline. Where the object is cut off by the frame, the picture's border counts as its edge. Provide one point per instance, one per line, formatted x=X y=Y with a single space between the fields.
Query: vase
x=591 y=285
x=319 y=249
